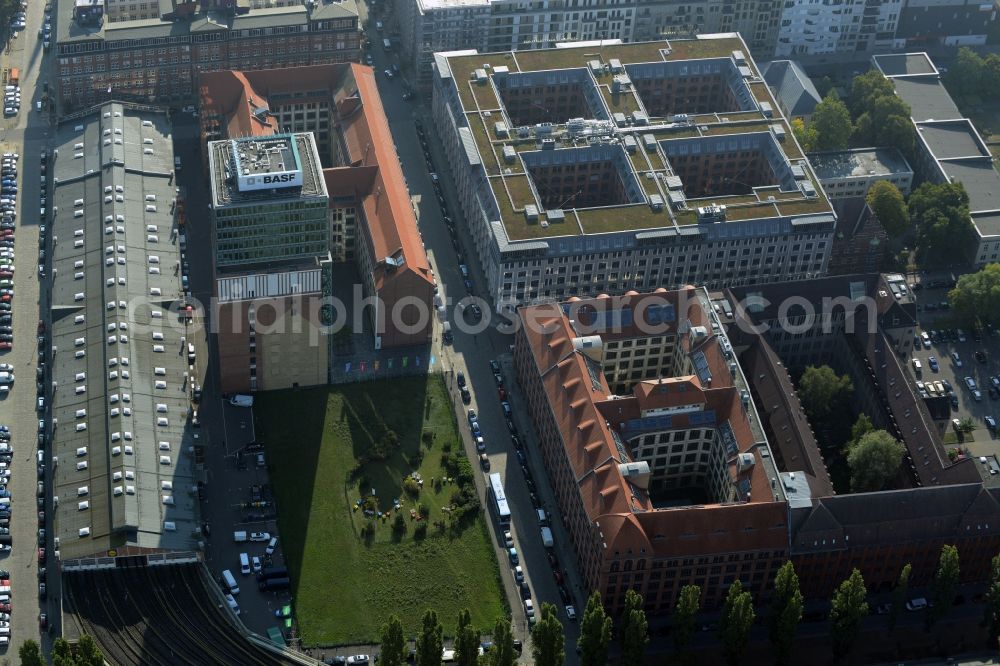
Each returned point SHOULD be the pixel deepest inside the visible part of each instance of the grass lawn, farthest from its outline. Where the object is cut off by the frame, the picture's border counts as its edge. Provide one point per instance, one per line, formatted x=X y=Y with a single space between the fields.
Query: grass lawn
x=319 y=444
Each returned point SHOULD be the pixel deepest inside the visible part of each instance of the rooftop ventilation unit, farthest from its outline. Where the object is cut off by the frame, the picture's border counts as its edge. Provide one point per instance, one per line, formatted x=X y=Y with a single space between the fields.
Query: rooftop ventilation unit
x=636 y=473
x=548 y=144
x=556 y=215
x=596 y=67
x=640 y=118
x=531 y=212
x=745 y=461
x=616 y=66
x=712 y=214
x=656 y=202
x=767 y=109
x=501 y=130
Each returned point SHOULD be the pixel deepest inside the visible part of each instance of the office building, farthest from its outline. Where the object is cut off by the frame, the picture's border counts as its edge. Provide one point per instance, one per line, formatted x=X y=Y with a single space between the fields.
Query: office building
x=120 y=424
x=600 y=169
x=368 y=219
x=924 y=23
x=429 y=26
x=948 y=147
x=680 y=455
x=154 y=51
x=846 y=174
x=659 y=466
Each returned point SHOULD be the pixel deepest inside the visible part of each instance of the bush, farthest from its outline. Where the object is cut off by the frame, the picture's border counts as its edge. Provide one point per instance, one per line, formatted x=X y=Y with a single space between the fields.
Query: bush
x=399 y=523
x=416 y=458
x=446 y=463
x=428 y=437
x=424 y=510
x=446 y=447
x=411 y=487
x=420 y=531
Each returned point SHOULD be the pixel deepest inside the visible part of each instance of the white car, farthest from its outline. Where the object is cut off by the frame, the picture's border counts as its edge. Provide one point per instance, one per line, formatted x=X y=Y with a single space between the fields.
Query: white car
x=358 y=659
x=255 y=564
x=571 y=613
x=260 y=536
x=271 y=546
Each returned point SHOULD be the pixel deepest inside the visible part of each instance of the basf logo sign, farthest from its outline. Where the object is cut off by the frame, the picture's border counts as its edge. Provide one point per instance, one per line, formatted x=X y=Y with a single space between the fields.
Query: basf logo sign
x=269 y=181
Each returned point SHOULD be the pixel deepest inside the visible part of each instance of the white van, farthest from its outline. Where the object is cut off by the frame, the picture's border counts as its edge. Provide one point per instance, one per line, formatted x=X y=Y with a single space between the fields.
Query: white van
x=239 y=537
x=244 y=564
x=239 y=400
x=227 y=576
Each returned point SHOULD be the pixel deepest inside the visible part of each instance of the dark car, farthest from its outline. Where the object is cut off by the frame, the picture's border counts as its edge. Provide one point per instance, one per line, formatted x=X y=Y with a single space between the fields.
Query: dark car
x=564 y=594
x=495 y=367
x=460 y=378
x=466 y=396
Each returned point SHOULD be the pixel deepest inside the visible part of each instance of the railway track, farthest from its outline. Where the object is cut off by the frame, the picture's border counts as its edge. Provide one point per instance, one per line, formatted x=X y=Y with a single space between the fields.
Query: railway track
x=159 y=616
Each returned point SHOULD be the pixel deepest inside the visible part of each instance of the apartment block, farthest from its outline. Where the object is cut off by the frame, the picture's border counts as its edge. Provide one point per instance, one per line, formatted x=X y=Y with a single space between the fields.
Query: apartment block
x=587 y=170
x=847 y=174
x=949 y=148
x=429 y=26
x=154 y=52
x=837 y=26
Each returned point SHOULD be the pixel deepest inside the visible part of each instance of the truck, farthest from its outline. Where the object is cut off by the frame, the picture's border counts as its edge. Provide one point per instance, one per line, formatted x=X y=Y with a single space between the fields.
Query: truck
x=547 y=537
x=271 y=584
x=240 y=400
x=15 y=77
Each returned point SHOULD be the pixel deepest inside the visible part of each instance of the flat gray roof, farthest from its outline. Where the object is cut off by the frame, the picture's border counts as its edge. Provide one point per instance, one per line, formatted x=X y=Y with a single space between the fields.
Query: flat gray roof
x=952 y=139
x=904 y=64
x=119 y=399
x=858 y=163
x=927 y=98
x=981 y=181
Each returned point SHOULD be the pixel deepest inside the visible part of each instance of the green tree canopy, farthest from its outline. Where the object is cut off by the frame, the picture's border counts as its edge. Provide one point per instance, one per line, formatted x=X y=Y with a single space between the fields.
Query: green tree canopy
x=823 y=393
x=945 y=232
x=967 y=73
x=887 y=202
x=30 y=653
x=430 y=642
x=503 y=652
x=595 y=633
x=861 y=427
x=786 y=612
x=735 y=622
x=943 y=587
x=633 y=629
x=688 y=605
x=62 y=653
x=865 y=88
x=548 y=643
x=466 y=640
x=848 y=608
x=976 y=297
x=393 y=643
x=874 y=460
x=806 y=136
x=87 y=652
x=900 y=594
x=832 y=123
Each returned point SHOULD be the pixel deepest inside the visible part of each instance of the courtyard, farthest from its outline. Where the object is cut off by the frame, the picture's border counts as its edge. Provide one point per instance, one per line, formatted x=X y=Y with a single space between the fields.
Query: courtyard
x=377 y=509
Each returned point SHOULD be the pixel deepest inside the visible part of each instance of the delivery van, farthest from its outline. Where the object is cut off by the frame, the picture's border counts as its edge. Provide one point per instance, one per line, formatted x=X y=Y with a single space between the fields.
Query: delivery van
x=227 y=577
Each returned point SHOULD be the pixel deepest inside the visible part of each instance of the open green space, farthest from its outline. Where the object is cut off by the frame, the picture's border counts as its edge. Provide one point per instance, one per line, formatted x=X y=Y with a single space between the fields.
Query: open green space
x=339 y=458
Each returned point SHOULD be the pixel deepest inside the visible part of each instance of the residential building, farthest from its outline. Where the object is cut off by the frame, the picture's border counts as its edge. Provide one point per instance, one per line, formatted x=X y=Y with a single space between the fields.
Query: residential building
x=154 y=52
x=924 y=23
x=586 y=170
x=948 y=147
x=430 y=26
x=658 y=464
x=811 y=28
x=120 y=422
x=792 y=87
x=847 y=174
x=366 y=219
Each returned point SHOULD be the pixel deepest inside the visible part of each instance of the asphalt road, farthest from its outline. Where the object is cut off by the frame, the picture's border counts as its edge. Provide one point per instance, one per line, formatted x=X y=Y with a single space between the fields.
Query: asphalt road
x=27 y=133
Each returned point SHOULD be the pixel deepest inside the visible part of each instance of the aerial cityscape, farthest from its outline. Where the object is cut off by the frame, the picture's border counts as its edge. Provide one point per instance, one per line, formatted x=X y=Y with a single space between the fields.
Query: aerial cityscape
x=493 y=332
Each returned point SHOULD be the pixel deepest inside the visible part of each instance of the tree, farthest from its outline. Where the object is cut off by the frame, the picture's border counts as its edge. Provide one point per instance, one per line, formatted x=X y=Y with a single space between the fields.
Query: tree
x=430 y=643
x=887 y=202
x=806 y=136
x=635 y=639
x=976 y=297
x=688 y=605
x=991 y=613
x=899 y=596
x=735 y=622
x=822 y=392
x=595 y=633
x=943 y=586
x=466 y=640
x=87 y=652
x=865 y=88
x=786 y=612
x=874 y=460
x=393 y=643
x=30 y=653
x=848 y=609
x=503 y=652
x=548 y=645
x=633 y=629
x=945 y=231
x=62 y=654
x=967 y=73
x=861 y=427
x=832 y=123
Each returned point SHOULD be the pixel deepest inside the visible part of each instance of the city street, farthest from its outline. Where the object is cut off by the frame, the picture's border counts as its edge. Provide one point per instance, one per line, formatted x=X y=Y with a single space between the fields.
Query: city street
x=471 y=354
x=27 y=133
